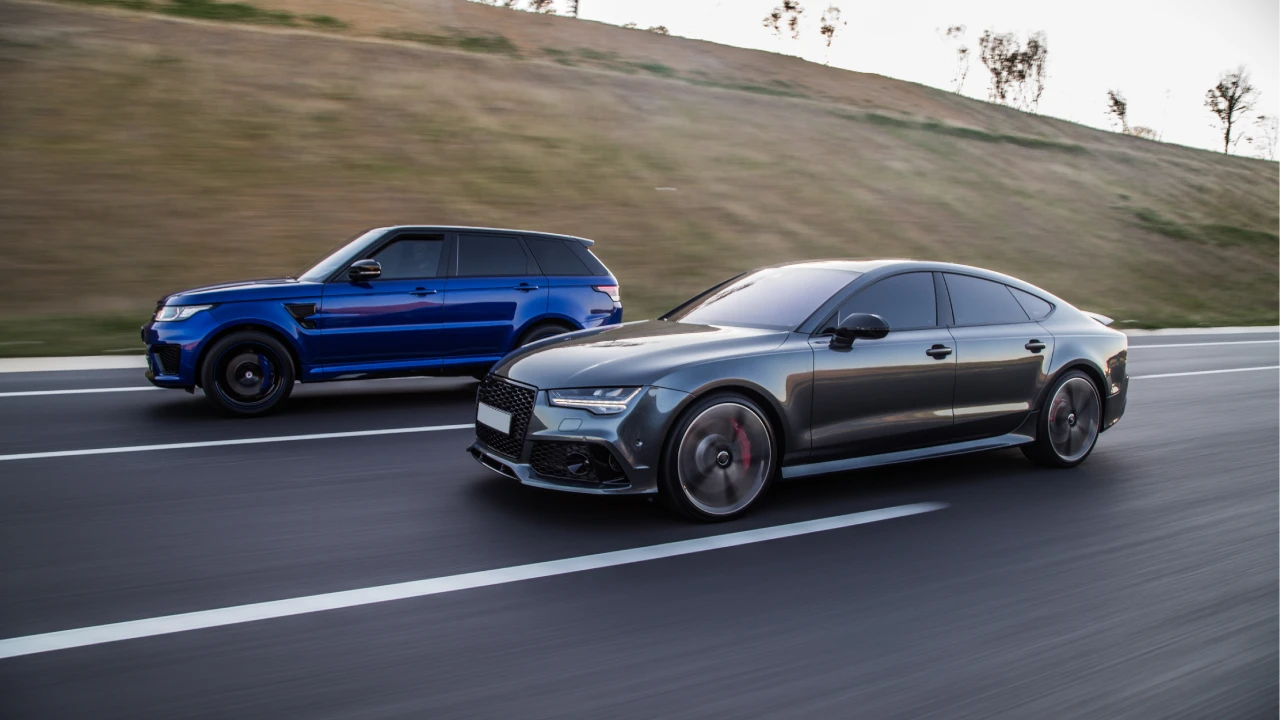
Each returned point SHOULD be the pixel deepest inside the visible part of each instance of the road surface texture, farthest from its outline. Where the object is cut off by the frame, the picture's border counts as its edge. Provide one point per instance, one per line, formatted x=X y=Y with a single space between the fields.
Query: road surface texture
x=1142 y=584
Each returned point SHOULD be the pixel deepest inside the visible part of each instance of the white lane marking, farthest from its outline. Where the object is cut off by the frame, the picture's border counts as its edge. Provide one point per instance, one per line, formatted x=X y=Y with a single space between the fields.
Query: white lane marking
x=1207 y=344
x=1244 y=330
x=82 y=391
x=148 y=627
x=84 y=362
x=1199 y=372
x=240 y=441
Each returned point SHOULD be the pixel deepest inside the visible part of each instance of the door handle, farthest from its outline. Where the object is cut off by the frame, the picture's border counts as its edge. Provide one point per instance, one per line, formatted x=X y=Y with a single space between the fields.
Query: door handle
x=938 y=352
x=1035 y=346
x=522 y=287
x=422 y=292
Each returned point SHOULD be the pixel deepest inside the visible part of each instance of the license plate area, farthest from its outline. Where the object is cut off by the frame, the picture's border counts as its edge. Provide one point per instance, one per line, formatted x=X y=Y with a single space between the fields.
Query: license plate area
x=494 y=418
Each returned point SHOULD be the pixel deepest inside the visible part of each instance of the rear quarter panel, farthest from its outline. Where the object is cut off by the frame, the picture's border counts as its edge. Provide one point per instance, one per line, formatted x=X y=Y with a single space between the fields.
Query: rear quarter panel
x=1081 y=341
x=574 y=300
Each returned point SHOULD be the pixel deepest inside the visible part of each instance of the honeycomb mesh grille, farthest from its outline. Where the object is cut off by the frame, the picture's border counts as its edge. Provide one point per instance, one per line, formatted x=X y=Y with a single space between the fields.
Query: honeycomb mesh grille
x=169 y=357
x=552 y=460
x=511 y=398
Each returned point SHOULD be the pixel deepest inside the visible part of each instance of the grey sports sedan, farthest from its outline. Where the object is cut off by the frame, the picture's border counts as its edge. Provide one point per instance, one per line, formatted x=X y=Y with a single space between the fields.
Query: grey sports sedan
x=801 y=369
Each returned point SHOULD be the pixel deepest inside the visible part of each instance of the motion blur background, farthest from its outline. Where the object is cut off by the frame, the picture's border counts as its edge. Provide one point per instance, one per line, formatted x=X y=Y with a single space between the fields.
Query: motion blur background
x=152 y=145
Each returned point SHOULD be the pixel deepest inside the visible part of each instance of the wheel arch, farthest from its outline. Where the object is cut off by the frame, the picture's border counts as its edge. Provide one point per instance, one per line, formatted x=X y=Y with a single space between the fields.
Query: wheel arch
x=1093 y=372
x=773 y=414
x=267 y=329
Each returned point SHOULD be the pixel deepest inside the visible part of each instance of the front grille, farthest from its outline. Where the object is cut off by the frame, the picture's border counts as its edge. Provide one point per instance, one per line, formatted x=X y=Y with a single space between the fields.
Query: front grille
x=507 y=397
x=577 y=463
x=169 y=357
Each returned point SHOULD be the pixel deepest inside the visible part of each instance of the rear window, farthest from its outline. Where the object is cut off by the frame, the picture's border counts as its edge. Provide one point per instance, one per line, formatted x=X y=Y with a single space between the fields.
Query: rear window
x=982 y=302
x=589 y=259
x=1038 y=309
x=555 y=257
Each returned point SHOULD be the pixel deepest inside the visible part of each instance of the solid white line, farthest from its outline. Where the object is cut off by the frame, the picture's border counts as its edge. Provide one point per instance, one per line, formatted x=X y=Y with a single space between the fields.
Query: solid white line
x=84 y=362
x=1245 y=330
x=1207 y=344
x=1203 y=372
x=240 y=441
x=80 y=637
x=83 y=391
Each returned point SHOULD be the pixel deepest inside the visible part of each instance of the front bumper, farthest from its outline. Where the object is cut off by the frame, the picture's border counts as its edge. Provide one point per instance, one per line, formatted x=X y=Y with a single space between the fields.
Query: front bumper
x=173 y=350
x=633 y=439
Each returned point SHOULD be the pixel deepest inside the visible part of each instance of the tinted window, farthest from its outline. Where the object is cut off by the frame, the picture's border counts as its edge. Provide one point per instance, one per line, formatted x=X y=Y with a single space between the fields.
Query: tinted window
x=1038 y=309
x=981 y=302
x=341 y=257
x=774 y=298
x=490 y=255
x=411 y=258
x=556 y=258
x=589 y=259
x=905 y=301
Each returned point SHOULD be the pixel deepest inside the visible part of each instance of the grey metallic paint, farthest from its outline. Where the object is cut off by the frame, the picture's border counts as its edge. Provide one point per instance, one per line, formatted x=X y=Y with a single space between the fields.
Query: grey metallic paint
x=880 y=401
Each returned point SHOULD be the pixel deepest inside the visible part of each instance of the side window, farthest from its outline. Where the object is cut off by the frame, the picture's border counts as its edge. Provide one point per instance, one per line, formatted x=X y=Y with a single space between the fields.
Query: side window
x=1036 y=308
x=906 y=301
x=491 y=255
x=556 y=258
x=411 y=258
x=982 y=302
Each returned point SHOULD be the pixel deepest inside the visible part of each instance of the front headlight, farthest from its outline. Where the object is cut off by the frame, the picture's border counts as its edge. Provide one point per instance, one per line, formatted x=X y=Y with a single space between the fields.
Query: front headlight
x=173 y=313
x=601 y=401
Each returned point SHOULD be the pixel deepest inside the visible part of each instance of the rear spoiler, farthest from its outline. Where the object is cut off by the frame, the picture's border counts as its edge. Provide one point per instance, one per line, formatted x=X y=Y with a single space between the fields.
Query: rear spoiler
x=1100 y=318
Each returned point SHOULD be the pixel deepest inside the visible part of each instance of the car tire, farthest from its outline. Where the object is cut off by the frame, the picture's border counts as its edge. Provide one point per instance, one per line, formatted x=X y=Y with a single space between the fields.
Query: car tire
x=1068 y=424
x=247 y=373
x=720 y=458
x=539 y=332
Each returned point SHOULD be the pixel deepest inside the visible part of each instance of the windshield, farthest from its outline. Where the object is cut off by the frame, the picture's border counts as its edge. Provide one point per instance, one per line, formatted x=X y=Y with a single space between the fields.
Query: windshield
x=772 y=298
x=320 y=270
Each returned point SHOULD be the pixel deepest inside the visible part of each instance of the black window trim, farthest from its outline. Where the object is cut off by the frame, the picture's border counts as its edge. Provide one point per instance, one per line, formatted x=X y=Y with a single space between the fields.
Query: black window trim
x=375 y=247
x=819 y=330
x=456 y=255
x=1007 y=287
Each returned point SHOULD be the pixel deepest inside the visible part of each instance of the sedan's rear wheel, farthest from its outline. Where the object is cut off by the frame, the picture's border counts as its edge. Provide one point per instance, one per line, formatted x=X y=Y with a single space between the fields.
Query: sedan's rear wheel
x=720 y=459
x=1068 y=427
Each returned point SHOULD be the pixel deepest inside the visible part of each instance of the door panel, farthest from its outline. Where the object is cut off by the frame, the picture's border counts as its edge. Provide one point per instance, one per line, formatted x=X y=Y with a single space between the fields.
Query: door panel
x=495 y=290
x=383 y=322
x=997 y=377
x=882 y=395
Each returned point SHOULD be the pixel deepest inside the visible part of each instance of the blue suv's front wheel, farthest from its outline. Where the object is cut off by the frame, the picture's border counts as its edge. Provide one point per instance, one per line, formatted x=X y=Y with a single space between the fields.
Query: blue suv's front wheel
x=247 y=373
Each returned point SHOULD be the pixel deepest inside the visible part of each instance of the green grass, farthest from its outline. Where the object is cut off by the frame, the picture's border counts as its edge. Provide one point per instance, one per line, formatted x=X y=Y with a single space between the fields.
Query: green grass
x=965 y=133
x=495 y=44
x=106 y=334
x=236 y=12
x=327 y=22
x=1208 y=233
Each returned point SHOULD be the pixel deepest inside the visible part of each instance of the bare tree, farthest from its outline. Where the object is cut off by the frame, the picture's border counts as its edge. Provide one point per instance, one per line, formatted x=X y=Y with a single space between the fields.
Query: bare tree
x=542 y=6
x=660 y=29
x=1267 y=131
x=1118 y=108
x=790 y=11
x=1143 y=132
x=573 y=7
x=954 y=34
x=831 y=23
x=1018 y=74
x=1229 y=100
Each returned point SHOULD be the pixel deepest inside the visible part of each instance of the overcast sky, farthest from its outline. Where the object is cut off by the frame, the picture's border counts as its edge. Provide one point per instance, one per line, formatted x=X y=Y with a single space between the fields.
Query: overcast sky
x=1162 y=55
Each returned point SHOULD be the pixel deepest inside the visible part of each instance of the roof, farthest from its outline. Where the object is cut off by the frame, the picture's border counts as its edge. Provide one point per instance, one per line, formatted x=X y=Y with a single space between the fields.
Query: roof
x=458 y=228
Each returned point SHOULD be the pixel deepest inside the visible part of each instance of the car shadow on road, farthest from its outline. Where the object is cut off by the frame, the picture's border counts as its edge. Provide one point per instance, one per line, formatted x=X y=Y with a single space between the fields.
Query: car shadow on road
x=383 y=397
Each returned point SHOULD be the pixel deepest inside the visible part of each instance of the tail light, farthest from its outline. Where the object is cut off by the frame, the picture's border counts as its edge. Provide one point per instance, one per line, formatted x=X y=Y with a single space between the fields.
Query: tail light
x=610 y=290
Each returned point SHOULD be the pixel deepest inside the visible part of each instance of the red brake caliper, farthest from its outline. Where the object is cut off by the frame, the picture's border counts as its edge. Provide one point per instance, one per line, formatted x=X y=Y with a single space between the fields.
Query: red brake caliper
x=744 y=445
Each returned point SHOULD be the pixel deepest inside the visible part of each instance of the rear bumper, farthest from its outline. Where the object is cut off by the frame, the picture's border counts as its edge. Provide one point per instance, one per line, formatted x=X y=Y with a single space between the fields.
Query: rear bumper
x=633 y=439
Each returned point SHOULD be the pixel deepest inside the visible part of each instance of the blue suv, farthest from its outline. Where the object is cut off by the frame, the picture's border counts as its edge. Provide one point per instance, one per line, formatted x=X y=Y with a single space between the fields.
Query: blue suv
x=394 y=301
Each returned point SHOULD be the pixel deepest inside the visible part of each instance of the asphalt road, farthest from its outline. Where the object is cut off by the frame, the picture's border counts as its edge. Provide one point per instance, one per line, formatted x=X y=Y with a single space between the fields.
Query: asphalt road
x=1141 y=584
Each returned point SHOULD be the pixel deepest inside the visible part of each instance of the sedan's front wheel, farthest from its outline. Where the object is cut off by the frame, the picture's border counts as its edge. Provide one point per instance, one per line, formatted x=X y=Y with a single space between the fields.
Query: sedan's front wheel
x=720 y=458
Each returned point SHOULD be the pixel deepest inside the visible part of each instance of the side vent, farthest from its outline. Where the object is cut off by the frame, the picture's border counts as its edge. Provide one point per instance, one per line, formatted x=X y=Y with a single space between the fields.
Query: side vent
x=302 y=311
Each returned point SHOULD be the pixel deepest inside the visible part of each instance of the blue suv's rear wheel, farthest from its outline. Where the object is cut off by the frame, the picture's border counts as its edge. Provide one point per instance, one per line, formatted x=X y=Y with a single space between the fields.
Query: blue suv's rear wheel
x=247 y=373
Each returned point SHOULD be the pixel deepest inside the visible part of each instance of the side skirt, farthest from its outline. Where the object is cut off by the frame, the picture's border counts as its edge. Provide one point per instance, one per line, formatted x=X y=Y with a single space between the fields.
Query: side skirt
x=1026 y=433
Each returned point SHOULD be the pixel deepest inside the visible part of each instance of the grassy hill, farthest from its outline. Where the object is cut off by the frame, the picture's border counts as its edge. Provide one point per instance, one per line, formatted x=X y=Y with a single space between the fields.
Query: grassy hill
x=145 y=151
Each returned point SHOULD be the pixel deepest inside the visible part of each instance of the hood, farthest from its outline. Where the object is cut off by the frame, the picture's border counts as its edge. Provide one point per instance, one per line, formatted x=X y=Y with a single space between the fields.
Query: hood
x=632 y=354
x=263 y=289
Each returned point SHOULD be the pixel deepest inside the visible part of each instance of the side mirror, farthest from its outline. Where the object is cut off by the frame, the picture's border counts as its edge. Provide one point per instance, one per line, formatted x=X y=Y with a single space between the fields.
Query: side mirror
x=859 y=325
x=363 y=270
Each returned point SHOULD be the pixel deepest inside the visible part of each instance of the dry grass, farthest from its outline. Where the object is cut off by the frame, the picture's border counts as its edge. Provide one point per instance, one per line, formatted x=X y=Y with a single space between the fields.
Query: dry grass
x=143 y=154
